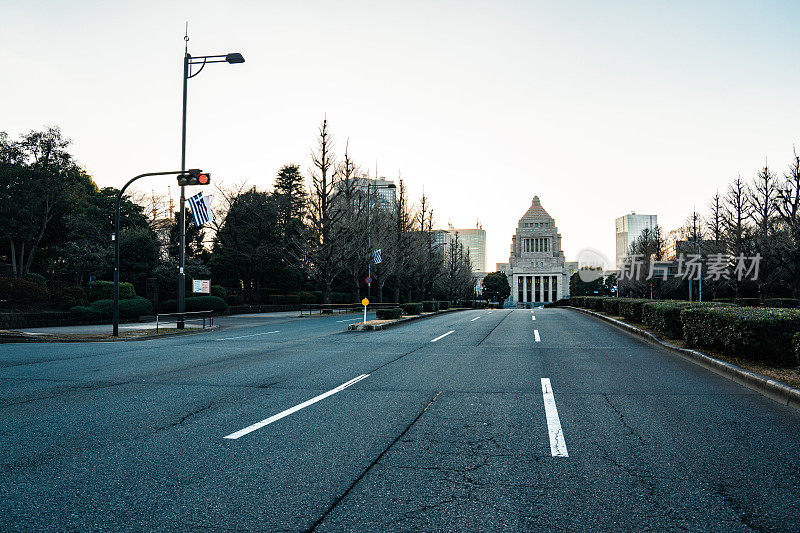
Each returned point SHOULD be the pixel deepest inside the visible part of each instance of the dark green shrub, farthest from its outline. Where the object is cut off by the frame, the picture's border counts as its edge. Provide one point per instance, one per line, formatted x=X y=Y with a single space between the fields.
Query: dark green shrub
x=276 y=299
x=594 y=302
x=786 y=303
x=104 y=290
x=631 y=308
x=611 y=306
x=219 y=291
x=198 y=303
x=725 y=300
x=36 y=278
x=444 y=304
x=756 y=334
x=747 y=302
x=234 y=299
x=664 y=316
x=341 y=298
x=103 y=310
x=68 y=297
x=412 y=309
x=22 y=291
x=430 y=306
x=796 y=343
x=307 y=298
x=391 y=313
x=292 y=299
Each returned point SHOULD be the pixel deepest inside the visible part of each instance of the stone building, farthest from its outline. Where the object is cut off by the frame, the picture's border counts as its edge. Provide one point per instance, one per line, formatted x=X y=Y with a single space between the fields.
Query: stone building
x=536 y=267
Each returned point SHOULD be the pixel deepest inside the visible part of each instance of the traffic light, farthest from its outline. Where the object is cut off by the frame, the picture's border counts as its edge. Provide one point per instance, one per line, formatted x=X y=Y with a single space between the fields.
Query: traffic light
x=194 y=177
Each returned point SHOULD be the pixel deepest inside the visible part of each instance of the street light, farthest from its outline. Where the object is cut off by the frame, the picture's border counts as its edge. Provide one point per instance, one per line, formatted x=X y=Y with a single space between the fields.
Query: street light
x=369 y=231
x=188 y=61
x=700 y=279
x=116 y=243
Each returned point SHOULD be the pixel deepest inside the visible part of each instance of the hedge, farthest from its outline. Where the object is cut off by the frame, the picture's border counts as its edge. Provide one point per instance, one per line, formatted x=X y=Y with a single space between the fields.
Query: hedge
x=796 y=343
x=664 y=316
x=782 y=302
x=631 y=308
x=292 y=299
x=412 y=309
x=234 y=299
x=747 y=302
x=755 y=334
x=22 y=291
x=307 y=298
x=430 y=306
x=103 y=310
x=198 y=303
x=68 y=297
x=219 y=291
x=444 y=304
x=104 y=290
x=611 y=306
x=36 y=278
x=391 y=313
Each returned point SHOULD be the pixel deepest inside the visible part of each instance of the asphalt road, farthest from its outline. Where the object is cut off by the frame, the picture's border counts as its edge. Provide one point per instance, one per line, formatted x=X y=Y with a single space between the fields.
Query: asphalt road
x=295 y=424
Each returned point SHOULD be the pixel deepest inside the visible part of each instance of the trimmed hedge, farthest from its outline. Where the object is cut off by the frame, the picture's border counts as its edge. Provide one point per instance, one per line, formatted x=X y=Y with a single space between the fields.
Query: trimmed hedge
x=22 y=291
x=292 y=299
x=747 y=302
x=611 y=306
x=412 y=309
x=786 y=303
x=664 y=316
x=36 y=278
x=631 y=308
x=391 y=313
x=754 y=334
x=444 y=304
x=429 y=306
x=234 y=299
x=198 y=303
x=68 y=297
x=103 y=310
x=796 y=343
x=307 y=298
x=104 y=290
x=219 y=291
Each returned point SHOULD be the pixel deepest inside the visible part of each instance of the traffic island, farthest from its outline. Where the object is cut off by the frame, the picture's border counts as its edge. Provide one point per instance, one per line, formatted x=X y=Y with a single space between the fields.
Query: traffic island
x=377 y=325
x=10 y=336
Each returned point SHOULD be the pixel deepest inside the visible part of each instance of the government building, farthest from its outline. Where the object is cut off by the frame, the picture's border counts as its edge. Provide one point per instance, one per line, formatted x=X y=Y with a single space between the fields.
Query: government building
x=536 y=267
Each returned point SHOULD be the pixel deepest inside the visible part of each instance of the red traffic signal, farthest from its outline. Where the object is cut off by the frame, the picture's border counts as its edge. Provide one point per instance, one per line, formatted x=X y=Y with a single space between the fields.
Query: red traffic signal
x=194 y=177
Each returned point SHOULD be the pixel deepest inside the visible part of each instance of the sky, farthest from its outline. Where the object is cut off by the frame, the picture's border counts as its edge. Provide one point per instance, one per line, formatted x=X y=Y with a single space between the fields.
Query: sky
x=599 y=108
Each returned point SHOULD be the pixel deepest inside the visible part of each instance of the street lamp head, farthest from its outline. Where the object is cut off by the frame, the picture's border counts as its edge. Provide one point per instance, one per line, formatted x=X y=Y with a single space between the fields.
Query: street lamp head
x=234 y=57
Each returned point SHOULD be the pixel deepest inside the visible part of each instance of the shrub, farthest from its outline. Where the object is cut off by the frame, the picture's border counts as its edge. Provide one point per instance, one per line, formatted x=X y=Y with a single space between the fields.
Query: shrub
x=755 y=334
x=104 y=290
x=219 y=291
x=293 y=299
x=747 y=302
x=22 y=291
x=631 y=308
x=391 y=313
x=198 y=303
x=412 y=309
x=341 y=298
x=611 y=306
x=307 y=298
x=68 y=297
x=796 y=343
x=103 y=310
x=594 y=302
x=276 y=299
x=782 y=302
x=234 y=299
x=36 y=278
x=430 y=306
x=664 y=316
x=444 y=304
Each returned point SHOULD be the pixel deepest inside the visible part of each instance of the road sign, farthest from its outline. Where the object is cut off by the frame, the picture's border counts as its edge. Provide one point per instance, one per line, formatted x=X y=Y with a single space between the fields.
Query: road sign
x=365 y=302
x=201 y=286
x=369 y=280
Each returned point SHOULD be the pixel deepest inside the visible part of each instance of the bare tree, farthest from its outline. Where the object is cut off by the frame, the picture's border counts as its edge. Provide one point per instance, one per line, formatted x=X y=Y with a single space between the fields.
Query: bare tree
x=787 y=241
x=736 y=213
x=714 y=223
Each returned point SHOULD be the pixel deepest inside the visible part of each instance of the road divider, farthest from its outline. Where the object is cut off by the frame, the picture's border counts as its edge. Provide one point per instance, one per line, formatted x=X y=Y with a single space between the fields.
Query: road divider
x=443 y=336
x=287 y=412
x=558 y=446
x=246 y=336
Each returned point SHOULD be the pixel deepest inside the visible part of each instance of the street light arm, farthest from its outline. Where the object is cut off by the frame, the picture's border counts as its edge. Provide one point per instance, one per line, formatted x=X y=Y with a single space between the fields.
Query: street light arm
x=202 y=66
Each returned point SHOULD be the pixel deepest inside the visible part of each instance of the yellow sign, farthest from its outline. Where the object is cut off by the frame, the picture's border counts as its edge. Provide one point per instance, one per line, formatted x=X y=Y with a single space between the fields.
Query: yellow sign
x=365 y=302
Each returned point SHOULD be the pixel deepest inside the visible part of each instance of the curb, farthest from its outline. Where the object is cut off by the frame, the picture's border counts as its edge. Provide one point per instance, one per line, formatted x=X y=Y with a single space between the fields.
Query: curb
x=379 y=327
x=772 y=389
x=18 y=337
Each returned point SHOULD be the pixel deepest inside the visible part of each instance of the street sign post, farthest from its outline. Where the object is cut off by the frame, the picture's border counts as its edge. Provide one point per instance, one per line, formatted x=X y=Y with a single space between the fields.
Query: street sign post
x=365 y=303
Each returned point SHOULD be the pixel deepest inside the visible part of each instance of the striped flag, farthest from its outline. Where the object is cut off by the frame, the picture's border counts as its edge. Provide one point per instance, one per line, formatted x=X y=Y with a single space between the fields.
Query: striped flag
x=377 y=257
x=200 y=211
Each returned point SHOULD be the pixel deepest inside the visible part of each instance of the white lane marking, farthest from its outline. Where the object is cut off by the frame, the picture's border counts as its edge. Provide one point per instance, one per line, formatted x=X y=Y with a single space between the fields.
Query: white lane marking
x=536 y=335
x=245 y=336
x=443 y=336
x=533 y=317
x=287 y=412
x=474 y=319
x=558 y=447
x=353 y=320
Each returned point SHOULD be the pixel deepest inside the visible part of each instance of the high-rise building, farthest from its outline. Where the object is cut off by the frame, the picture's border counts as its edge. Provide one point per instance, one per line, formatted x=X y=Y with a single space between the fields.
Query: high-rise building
x=383 y=190
x=473 y=240
x=628 y=229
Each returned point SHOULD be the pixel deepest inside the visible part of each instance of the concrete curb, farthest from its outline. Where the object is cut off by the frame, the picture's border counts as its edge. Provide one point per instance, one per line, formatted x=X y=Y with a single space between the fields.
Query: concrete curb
x=379 y=327
x=772 y=389
x=18 y=337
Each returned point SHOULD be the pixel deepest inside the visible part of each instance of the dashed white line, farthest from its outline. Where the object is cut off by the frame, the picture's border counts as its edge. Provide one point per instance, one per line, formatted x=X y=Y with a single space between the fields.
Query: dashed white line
x=353 y=320
x=558 y=446
x=536 y=335
x=245 y=336
x=287 y=412
x=443 y=336
x=474 y=319
x=533 y=317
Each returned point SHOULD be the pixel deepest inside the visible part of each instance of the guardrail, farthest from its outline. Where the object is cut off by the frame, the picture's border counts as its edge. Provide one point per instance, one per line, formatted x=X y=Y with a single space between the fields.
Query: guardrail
x=329 y=309
x=188 y=317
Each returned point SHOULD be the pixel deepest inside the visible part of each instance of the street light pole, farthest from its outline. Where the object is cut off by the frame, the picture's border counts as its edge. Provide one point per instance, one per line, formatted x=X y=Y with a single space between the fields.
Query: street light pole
x=369 y=232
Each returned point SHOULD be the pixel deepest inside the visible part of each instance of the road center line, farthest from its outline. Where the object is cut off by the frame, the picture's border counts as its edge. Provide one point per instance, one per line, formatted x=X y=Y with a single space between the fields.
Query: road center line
x=558 y=447
x=353 y=320
x=474 y=319
x=443 y=336
x=287 y=412
x=245 y=336
x=533 y=317
x=536 y=335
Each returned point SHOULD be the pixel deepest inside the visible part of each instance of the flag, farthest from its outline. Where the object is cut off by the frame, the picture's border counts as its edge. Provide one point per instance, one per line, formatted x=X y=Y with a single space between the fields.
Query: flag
x=377 y=258
x=200 y=211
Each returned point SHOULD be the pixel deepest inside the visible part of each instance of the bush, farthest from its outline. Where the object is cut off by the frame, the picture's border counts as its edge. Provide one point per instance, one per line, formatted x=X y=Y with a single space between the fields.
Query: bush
x=307 y=298
x=444 y=304
x=36 y=278
x=276 y=299
x=341 y=298
x=104 y=290
x=747 y=302
x=198 y=303
x=68 y=297
x=785 y=303
x=234 y=299
x=430 y=306
x=219 y=291
x=631 y=308
x=103 y=310
x=412 y=309
x=754 y=334
x=664 y=316
x=293 y=299
x=22 y=291
x=594 y=302
x=611 y=306
x=391 y=313
x=796 y=343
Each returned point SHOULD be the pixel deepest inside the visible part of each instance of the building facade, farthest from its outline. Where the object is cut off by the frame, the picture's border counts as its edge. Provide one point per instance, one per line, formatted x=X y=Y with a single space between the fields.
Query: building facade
x=473 y=240
x=536 y=268
x=628 y=228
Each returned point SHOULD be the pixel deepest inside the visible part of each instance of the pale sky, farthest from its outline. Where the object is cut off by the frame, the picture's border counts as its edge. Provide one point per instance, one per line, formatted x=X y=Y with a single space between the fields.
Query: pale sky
x=599 y=108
